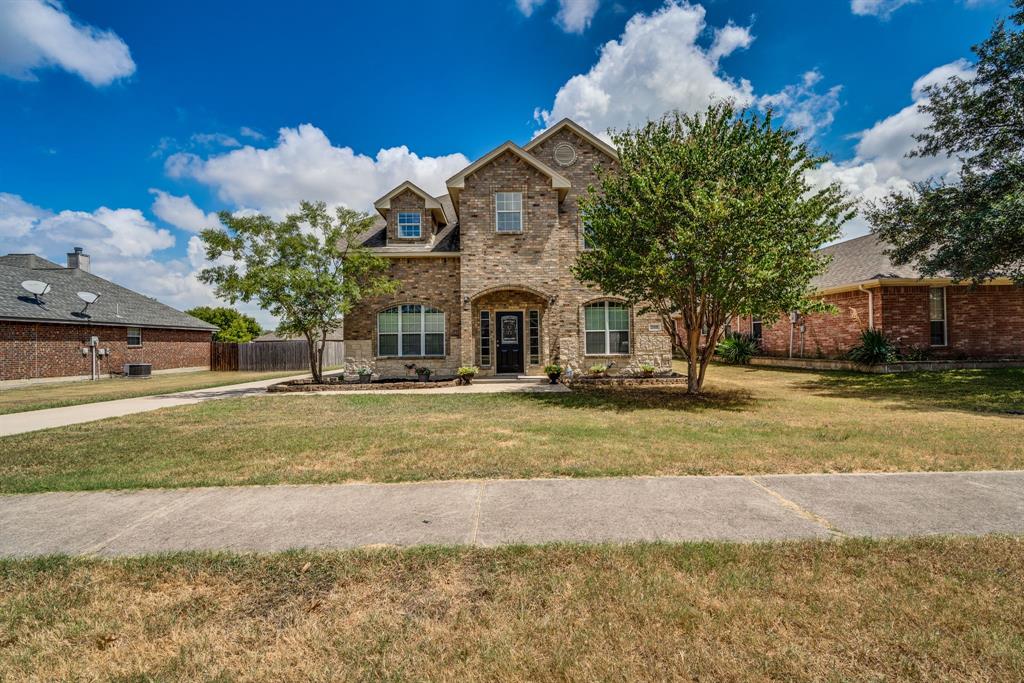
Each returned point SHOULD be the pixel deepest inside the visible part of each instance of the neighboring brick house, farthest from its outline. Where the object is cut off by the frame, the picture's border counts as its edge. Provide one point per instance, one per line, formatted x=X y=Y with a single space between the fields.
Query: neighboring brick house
x=485 y=276
x=948 y=319
x=50 y=335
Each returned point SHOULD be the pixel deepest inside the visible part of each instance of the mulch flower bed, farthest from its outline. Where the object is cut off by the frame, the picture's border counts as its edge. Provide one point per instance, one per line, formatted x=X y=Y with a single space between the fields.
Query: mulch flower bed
x=337 y=383
x=625 y=380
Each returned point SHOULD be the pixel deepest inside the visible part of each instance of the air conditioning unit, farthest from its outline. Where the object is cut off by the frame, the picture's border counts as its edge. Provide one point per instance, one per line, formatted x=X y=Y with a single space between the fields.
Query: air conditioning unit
x=138 y=369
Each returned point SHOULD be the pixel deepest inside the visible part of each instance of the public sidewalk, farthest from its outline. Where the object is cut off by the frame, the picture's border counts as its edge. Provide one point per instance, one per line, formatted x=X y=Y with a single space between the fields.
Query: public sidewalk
x=495 y=512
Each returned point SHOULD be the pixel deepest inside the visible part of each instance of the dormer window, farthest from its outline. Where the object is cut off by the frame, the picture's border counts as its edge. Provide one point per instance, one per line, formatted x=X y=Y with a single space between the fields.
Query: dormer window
x=508 y=211
x=409 y=224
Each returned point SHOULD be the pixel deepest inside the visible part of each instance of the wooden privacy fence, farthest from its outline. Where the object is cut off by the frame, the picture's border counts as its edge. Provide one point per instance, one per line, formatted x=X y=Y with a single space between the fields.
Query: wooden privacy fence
x=269 y=356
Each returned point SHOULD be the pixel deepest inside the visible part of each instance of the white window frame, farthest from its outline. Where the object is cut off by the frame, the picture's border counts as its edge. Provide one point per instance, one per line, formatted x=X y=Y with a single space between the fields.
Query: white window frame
x=128 y=336
x=424 y=309
x=607 y=329
x=419 y=225
x=498 y=212
x=944 y=321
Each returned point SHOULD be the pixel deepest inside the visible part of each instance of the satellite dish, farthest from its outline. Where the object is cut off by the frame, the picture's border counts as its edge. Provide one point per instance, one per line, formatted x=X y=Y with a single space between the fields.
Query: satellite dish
x=88 y=298
x=35 y=288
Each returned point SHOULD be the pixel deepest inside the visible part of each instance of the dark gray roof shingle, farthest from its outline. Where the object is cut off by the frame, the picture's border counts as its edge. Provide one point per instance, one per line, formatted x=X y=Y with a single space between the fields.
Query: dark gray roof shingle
x=857 y=260
x=116 y=305
x=447 y=239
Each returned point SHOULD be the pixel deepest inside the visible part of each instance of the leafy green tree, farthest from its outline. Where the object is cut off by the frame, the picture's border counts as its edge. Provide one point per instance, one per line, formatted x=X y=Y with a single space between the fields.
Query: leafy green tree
x=706 y=216
x=972 y=229
x=233 y=325
x=307 y=270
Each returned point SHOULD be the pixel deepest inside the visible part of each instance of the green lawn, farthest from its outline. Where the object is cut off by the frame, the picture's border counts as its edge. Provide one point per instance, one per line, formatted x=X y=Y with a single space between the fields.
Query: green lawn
x=57 y=394
x=917 y=610
x=753 y=420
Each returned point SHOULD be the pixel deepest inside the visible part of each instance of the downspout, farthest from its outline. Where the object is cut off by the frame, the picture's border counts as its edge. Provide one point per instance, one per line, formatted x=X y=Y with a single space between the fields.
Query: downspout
x=871 y=306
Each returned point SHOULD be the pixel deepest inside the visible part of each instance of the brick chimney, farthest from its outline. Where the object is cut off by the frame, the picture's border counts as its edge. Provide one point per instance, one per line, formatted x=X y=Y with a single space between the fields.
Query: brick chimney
x=78 y=259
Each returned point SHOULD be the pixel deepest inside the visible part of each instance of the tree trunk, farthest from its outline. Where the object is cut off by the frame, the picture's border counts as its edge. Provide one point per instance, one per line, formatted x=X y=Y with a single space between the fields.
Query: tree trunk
x=694 y=374
x=314 y=366
x=320 y=354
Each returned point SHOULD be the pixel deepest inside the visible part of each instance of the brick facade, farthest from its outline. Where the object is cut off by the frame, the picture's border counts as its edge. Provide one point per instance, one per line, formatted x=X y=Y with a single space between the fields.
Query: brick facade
x=430 y=282
x=41 y=350
x=410 y=201
x=522 y=271
x=982 y=322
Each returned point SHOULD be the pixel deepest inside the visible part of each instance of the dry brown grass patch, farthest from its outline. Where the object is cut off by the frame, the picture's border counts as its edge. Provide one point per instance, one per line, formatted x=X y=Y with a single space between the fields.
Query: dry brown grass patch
x=935 y=609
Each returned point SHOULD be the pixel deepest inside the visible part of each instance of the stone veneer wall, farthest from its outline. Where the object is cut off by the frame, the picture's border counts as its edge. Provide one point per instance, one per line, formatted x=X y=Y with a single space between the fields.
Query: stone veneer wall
x=428 y=281
x=37 y=350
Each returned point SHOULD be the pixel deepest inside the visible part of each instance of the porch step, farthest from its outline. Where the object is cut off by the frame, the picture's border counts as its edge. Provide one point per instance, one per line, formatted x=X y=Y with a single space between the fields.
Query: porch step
x=505 y=379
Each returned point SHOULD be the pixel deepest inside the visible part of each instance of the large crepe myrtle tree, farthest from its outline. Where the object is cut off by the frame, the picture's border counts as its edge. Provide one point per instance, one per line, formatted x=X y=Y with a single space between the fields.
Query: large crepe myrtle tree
x=707 y=216
x=307 y=270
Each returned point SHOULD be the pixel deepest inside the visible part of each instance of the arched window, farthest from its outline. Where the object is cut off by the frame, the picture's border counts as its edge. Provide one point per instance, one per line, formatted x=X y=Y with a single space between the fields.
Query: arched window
x=607 y=328
x=410 y=330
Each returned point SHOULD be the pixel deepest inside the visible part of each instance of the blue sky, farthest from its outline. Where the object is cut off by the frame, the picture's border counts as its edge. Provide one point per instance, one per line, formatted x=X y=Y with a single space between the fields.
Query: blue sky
x=126 y=123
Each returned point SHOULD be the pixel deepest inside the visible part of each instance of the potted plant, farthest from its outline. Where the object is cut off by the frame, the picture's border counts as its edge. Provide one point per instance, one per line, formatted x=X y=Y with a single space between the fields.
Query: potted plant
x=553 y=371
x=364 y=375
x=424 y=373
x=647 y=370
x=598 y=371
x=466 y=374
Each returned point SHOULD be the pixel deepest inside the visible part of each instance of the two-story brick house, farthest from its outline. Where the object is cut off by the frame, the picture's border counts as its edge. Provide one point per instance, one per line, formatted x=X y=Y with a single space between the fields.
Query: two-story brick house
x=485 y=275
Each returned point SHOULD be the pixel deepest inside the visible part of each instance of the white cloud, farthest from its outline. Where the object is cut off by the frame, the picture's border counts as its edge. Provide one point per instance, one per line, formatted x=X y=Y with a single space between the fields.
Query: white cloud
x=655 y=66
x=214 y=140
x=182 y=213
x=303 y=164
x=111 y=233
x=880 y=164
x=728 y=39
x=251 y=133
x=527 y=6
x=36 y=34
x=574 y=16
x=802 y=107
x=124 y=246
x=877 y=8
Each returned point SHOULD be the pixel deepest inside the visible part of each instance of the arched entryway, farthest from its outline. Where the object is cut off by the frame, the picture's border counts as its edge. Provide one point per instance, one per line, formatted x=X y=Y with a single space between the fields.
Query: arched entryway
x=509 y=331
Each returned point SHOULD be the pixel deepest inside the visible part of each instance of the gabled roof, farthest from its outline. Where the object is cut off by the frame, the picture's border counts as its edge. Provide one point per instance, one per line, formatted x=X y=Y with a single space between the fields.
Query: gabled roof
x=859 y=260
x=432 y=205
x=580 y=131
x=445 y=242
x=116 y=306
x=458 y=181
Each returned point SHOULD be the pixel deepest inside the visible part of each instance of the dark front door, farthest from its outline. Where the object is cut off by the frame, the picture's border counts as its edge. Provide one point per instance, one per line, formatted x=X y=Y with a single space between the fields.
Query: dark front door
x=510 y=342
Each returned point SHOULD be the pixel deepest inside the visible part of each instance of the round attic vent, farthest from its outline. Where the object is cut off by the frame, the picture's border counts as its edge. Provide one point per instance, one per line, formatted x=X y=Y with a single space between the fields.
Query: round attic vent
x=565 y=154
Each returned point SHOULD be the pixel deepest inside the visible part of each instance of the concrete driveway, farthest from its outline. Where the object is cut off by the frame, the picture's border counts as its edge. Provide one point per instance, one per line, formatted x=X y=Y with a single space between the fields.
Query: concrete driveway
x=495 y=512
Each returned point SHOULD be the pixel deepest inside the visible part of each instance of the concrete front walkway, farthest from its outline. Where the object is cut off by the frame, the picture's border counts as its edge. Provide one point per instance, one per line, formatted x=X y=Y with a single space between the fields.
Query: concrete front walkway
x=34 y=420
x=494 y=512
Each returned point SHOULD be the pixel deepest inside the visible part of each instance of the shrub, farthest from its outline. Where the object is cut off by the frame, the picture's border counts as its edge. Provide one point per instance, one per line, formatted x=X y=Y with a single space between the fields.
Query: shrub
x=424 y=371
x=916 y=353
x=553 y=369
x=737 y=349
x=598 y=370
x=874 y=348
x=364 y=371
x=647 y=368
x=467 y=371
